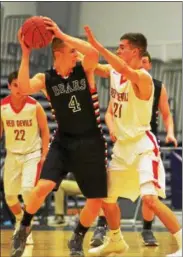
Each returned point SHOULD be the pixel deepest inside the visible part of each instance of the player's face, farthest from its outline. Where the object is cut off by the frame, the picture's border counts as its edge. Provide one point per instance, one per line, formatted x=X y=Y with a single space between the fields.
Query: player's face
x=146 y=64
x=71 y=55
x=67 y=56
x=13 y=87
x=126 y=51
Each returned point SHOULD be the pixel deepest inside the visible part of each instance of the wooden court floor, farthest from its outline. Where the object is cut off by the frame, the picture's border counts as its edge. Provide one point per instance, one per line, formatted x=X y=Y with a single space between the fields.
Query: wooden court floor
x=54 y=244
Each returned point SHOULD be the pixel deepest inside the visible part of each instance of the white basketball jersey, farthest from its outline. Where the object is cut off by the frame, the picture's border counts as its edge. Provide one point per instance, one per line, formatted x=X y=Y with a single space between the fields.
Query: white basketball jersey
x=132 y=116
x=21 y=128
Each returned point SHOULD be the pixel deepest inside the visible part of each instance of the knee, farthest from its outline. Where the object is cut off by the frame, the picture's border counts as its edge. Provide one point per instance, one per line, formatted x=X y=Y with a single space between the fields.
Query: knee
x=26 y=193
x=150 y=200
x=94 y=205
x=109 y=207
x=43 y=188
x=11 y=200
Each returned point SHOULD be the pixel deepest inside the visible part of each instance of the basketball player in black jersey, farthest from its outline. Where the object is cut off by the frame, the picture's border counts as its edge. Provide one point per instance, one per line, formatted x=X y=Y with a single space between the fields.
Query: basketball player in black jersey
x=160 y=105
x=78 y=144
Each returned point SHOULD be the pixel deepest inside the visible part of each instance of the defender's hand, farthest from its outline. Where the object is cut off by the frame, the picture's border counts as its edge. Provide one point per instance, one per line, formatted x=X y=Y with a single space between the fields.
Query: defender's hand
x=91 y=38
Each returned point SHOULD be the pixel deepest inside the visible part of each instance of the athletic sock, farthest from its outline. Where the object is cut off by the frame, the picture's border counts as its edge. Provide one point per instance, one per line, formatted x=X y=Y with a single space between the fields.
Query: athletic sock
x=147 y=224
x=27 y=217
x=102 y=222
x=80 y=229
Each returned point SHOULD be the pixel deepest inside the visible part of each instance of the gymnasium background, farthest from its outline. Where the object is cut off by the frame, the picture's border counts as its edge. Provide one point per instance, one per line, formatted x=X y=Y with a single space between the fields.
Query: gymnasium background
x=160 y=22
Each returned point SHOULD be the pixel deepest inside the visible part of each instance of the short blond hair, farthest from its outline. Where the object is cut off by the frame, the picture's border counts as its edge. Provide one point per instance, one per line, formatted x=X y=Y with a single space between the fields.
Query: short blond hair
x=56 y=44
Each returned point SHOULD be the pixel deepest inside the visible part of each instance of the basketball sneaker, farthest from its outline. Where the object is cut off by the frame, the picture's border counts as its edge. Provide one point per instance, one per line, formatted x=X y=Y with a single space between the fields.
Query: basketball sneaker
x=109 y=246
x=176 y=254
x=76 y=245
x=29 y=240
x=98 y=237
x=149 y=238
x=19 y=241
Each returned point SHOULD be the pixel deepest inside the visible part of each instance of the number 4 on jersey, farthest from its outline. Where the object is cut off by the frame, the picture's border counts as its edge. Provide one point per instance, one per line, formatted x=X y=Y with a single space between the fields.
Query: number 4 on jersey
x=74 y=105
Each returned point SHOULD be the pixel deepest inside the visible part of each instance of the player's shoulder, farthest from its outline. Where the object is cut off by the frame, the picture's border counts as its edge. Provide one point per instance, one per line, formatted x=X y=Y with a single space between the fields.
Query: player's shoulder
x=31 y=100
x=6 y=100
x=144 y=71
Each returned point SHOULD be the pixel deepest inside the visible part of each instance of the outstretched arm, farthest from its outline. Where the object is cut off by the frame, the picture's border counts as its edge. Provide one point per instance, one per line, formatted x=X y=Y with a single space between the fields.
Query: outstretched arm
x=91 y=55
x=101 y=70
x=167 y=116
x=26 y=85
x=142 y=80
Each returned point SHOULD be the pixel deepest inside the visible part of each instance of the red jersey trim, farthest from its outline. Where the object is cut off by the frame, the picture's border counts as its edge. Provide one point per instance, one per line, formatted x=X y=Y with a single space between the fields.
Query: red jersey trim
x=6 y=100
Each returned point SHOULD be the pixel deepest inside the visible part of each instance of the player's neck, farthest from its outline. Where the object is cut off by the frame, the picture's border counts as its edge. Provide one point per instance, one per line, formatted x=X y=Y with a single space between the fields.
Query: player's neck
x=61 y=70
x=135 y=64
x=17 y=102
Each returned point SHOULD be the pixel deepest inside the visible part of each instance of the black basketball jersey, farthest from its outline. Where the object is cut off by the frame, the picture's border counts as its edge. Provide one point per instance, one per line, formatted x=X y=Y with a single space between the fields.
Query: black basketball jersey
x=155 y=111
x=76 y=106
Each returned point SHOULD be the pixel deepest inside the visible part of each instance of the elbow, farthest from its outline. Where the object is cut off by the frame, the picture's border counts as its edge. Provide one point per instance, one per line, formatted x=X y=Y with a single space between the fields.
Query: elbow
x=22 y=89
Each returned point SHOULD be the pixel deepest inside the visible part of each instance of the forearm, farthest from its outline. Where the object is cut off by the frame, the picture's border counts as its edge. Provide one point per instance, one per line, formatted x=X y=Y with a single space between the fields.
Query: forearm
x=45 y=136
x=109 y=121
x=169 y=124
x=117 y=63
x=80 y=45
x=23 y=75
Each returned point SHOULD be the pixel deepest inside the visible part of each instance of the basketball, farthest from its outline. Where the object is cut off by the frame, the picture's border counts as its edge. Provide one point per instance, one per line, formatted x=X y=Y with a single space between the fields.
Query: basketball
x=35 y=33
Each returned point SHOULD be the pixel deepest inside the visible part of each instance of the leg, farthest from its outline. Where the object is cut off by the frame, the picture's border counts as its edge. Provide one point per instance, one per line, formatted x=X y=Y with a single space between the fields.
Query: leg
x=147 y=233
x=59 y=207
x=116 y=243
x=167 y=217
x=12 y=185
x=87 y=216
x=15 y=206
x=37 y=197
x=90 y=174
x=51 y=174
x=152 y=181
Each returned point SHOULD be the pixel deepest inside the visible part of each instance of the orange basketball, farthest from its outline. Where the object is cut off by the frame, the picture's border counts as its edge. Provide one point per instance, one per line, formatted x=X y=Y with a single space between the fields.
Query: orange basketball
x=35 y=33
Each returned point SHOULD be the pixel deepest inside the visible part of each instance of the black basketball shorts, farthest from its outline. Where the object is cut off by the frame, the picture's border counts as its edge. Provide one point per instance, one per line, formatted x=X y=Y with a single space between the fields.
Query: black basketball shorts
x=85 y=157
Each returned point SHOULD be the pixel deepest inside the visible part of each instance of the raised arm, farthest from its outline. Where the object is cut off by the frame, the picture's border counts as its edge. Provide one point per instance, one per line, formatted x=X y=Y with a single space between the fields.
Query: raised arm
x=91 y=55
x=141 y=80
x=167 y=116
x=101 y=70
x=26 y=85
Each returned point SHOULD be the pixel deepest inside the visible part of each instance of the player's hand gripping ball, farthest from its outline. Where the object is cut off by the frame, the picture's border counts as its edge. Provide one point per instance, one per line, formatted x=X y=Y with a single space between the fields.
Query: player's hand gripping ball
x=35 y=34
